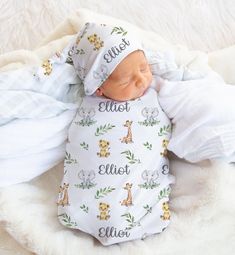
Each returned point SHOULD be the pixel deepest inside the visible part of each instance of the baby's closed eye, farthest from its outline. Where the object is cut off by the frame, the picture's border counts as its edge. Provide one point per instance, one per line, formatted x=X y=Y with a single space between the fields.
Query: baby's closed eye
x=124 y=82
x=144 y=68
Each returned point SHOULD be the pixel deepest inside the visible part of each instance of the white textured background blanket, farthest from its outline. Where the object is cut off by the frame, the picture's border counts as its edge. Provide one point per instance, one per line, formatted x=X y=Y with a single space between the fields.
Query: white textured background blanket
x=200 y=24
x=203 y=211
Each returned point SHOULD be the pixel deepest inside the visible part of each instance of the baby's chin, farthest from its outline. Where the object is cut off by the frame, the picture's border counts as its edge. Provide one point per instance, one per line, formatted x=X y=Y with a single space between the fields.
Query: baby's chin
x=116 y=98
x=126 y=98
x=142 y=93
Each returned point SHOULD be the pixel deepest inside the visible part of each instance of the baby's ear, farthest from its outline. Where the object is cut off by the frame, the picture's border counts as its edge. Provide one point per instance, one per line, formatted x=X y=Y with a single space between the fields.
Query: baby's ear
x=98 y=92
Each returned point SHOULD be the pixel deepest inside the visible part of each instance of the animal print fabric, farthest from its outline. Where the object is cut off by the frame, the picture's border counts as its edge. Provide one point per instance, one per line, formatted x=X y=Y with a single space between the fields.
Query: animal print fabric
x=116 y=182
x=98 y=49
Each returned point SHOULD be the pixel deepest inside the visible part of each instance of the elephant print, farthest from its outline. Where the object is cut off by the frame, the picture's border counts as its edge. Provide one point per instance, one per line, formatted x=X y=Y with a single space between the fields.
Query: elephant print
x=101 y=74
x=150 y=114
x=86 y=178
x=87 y=114
x=150 y=179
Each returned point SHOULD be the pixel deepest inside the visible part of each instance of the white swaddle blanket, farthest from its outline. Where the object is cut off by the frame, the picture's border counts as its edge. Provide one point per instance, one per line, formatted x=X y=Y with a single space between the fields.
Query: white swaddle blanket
x=37 y=104
x=116 y=177
x=203 y=116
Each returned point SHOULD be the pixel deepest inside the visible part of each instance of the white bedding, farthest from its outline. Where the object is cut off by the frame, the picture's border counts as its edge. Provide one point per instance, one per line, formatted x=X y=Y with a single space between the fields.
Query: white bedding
x=203 y=116
x=35 y=113
x=203 y=218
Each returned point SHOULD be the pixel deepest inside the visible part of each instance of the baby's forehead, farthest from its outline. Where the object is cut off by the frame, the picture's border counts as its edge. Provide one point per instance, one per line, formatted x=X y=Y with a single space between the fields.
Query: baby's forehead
x=134 y=60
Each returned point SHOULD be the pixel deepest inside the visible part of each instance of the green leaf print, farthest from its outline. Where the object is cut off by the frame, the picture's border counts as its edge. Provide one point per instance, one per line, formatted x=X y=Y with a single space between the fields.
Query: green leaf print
x=148 y=209
x=130 y=219
x=148 y=145
x=67 y=220
x=149 y=185
x=149 y=123
x=68 y=159
x=103 y=192
x=84 y=145
x=164 y=193
x=131 y=157
x=85 y=122
x=164 y=130
x=119 y=30
x=80 y=52
x=103 y=129
x=84 y=208
x=85 y=185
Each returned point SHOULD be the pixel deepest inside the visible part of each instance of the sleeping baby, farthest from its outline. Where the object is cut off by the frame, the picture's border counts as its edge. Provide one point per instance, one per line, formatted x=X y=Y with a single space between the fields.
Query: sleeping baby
x=116 y=181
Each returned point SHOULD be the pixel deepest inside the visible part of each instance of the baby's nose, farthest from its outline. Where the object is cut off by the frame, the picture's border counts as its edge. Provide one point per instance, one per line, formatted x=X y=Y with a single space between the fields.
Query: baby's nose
x=140 y=82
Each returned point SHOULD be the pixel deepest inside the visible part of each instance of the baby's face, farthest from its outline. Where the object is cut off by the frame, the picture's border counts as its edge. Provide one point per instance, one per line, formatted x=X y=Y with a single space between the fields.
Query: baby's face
x=130 y=79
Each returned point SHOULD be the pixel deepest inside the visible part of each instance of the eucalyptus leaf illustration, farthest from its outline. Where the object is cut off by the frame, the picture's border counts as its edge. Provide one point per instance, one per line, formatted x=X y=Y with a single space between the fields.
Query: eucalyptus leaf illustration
x=131 y=157
x=148 y=123
x=80 y=52
x=101 y=130
x=85 y=185
x=148 y=145
x=164 y=193
x=68 y=159
x=119 y=30
x=148 y=209
x=84 y=145
x=67 y=220
x=164 y=130
x=149 y=185
x=103 y=192
x=85 y=122
x=131 y=220
x=84 y=208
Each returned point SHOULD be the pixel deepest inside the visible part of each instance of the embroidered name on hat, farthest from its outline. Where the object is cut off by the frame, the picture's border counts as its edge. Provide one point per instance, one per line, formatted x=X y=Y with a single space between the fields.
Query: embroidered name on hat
x=116 y=50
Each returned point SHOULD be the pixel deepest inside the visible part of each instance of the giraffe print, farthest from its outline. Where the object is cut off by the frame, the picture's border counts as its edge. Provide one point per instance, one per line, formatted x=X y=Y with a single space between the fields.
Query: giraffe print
x=128 y=138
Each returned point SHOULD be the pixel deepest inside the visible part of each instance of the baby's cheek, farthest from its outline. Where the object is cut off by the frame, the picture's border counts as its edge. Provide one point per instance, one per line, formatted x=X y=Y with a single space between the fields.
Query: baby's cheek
x=149 y=79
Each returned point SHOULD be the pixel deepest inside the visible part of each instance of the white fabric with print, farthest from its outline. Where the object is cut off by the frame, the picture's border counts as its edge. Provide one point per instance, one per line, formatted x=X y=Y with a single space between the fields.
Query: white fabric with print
x=116 y=176
x=98 y=49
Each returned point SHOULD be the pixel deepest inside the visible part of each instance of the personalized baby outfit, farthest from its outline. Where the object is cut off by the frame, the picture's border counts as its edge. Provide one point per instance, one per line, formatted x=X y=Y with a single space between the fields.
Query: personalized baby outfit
x=97 y=51
x=116 y=174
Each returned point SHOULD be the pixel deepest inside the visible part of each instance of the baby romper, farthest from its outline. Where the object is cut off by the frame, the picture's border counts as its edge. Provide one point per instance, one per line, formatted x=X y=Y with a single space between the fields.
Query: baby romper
x=116 y=173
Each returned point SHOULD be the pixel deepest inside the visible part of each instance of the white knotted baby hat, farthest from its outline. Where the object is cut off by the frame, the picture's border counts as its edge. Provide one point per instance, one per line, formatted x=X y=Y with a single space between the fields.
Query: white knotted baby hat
x=98 y=49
